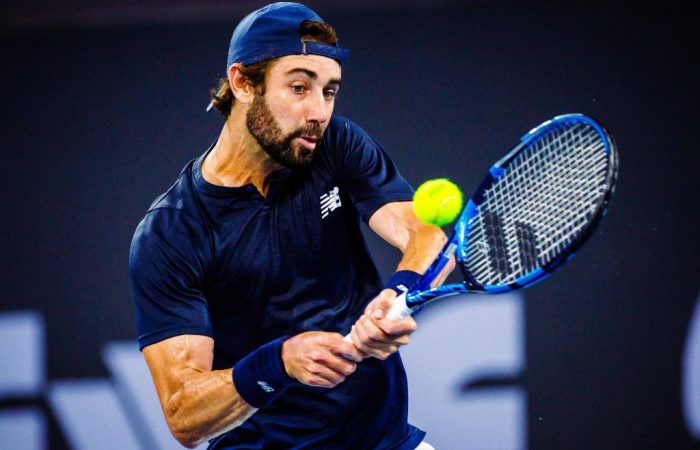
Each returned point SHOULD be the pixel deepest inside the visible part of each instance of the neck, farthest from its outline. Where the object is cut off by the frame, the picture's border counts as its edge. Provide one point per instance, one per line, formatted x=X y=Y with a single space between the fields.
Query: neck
x=237 y=159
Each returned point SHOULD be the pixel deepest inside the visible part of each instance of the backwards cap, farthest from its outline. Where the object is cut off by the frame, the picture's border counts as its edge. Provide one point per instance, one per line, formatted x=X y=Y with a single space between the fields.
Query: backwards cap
x=273 y=31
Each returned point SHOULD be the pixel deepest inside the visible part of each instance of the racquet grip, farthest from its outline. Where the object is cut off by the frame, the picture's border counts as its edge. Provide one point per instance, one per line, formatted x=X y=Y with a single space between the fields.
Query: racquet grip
x=398 y=311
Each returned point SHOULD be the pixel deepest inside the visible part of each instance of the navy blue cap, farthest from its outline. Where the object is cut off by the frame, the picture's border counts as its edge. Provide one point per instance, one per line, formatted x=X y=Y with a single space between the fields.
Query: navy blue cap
x=273 y=31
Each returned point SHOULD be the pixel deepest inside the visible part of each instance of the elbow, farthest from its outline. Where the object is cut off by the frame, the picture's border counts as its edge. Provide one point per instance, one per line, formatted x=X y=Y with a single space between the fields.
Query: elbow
x=188 y=443
x=180 y=422
x=186 y=438
x=183 y=430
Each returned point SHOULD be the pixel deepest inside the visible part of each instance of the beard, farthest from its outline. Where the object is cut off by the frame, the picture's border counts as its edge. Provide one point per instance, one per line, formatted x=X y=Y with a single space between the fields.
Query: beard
x=281 y=147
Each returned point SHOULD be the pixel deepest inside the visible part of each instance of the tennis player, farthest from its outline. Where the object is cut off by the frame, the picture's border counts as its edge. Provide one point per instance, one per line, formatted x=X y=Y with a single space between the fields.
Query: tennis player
x=249 y=270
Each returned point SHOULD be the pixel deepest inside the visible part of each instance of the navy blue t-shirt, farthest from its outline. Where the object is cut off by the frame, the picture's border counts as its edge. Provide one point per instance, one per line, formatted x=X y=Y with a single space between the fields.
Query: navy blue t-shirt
x=244 y=269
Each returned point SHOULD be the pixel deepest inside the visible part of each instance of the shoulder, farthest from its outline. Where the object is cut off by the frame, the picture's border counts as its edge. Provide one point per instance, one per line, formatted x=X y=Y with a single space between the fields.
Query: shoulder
x=177 y=206
x=168 y=234
x=179 y=195
x=343 y=132
x=171 y=222
x=346 y=144
x=166 y=223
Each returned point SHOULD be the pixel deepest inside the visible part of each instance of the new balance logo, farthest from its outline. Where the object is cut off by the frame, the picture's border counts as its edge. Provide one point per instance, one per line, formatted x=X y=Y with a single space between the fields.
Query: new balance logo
x=330 y=202
x=266 y=387
x=402 y=287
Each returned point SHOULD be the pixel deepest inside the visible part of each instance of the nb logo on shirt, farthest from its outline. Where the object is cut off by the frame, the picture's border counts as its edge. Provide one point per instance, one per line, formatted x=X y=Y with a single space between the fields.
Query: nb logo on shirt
x=330 y=202
x=266 y=387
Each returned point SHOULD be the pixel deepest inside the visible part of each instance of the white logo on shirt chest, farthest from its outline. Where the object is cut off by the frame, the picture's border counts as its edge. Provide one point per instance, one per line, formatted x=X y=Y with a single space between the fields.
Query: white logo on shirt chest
x=330 y=202
x=266 y=387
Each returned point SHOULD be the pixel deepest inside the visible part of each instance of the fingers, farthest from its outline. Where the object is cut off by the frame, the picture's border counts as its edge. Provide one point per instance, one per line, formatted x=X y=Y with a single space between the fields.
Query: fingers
x=316 y=358
x=322 y=375
x=381 y=337
x=374 y=349
x=377 y=336
x=388 y=330
x=348 y=350
x=381 y=304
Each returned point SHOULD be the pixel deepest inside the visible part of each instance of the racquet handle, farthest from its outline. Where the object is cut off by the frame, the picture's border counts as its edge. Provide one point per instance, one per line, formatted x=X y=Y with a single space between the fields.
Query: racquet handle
x=398 y=311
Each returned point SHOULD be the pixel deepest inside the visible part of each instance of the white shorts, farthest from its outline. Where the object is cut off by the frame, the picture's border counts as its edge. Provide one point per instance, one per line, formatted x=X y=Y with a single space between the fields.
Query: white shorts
x=424 y=446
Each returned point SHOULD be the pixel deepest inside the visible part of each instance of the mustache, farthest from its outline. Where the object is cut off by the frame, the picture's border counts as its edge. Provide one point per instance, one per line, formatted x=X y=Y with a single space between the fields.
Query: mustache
x=312 y=129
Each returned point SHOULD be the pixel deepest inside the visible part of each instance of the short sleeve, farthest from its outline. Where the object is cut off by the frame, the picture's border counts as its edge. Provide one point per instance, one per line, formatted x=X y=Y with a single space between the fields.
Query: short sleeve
x=368 y=173
x=166 y=265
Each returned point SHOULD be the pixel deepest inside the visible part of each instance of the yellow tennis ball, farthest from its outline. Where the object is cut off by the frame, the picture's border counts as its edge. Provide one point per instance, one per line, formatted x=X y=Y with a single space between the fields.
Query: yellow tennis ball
x=437 y=202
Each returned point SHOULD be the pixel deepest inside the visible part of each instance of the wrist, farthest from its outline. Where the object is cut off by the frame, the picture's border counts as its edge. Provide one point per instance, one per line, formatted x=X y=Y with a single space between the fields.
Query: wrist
x=260 y=377
x=402 y=281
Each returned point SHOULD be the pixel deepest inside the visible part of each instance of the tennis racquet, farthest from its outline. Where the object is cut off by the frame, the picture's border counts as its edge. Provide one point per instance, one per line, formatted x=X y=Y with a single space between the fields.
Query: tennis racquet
x=536 y=207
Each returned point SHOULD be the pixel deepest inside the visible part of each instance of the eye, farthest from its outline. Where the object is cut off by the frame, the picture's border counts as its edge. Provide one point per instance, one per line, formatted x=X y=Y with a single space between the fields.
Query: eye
x=330 y=94
x=298 y=88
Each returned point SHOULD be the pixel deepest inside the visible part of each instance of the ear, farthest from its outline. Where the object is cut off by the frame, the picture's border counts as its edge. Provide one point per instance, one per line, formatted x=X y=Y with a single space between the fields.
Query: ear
x=240 y=86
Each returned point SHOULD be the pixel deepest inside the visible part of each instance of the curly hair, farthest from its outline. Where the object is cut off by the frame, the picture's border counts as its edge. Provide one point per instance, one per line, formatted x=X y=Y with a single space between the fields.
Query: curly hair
x=222 y=97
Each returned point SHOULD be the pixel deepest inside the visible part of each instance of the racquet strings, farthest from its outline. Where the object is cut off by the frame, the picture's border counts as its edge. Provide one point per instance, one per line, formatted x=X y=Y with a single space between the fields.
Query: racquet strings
x=547 y=197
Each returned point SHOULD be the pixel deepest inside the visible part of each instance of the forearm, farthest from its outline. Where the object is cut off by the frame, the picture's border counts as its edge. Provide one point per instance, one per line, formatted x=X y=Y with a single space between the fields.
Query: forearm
x=374 y=333
x=421 y=247
x=205 y=405
x=198 y=402
x=419 y=243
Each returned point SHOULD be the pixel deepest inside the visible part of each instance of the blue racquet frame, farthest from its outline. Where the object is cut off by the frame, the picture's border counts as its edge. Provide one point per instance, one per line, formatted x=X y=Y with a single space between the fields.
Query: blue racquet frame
x=458 y=244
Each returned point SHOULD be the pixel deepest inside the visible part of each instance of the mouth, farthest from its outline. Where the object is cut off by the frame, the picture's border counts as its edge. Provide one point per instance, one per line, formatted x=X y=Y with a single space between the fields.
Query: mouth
x=309 y=142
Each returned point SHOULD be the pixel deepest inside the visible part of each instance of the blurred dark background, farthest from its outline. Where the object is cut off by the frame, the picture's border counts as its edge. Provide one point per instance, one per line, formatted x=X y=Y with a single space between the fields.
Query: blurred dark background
x=104 y=102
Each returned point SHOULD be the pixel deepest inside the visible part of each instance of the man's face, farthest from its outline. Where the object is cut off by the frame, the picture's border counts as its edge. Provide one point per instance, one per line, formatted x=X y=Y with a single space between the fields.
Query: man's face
x=289 y=119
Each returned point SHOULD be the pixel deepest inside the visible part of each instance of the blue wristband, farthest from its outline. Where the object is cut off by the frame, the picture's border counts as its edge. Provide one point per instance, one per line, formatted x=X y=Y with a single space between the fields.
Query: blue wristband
x=402 y=281
x=260 y=377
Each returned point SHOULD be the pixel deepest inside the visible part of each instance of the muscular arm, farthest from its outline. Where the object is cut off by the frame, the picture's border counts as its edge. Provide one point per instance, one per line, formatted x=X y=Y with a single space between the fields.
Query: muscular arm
x=198 y=403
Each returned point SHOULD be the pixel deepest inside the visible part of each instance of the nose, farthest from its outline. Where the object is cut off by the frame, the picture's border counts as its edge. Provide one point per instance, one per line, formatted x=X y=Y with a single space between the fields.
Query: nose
x=317 y=109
